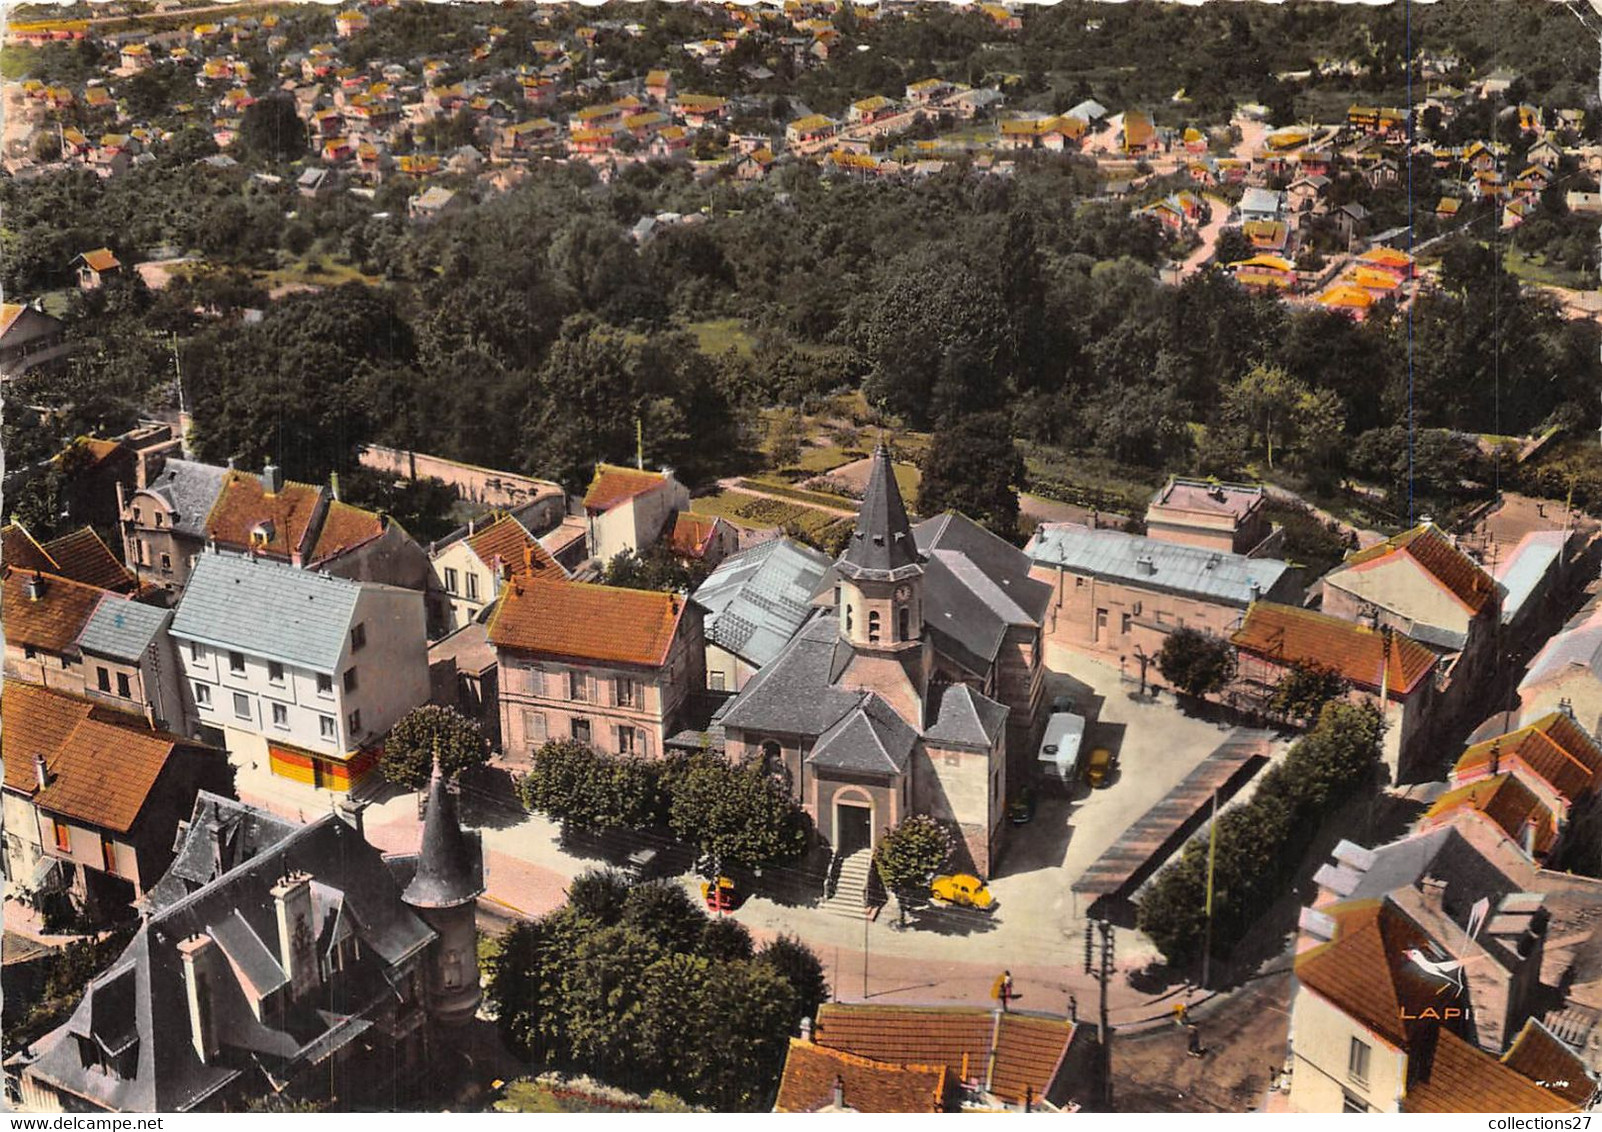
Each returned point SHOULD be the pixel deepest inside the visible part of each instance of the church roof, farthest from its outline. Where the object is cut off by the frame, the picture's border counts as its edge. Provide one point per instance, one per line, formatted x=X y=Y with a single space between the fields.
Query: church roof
x=870 y=738
x=881 y=546
x=965 y=718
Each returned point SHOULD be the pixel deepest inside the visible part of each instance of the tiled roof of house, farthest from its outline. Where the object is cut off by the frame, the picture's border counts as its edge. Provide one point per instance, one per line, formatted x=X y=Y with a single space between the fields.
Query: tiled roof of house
x=1455 y=1076
x=344 y=528
x=1505 y=801
x=267 y=609
x=1540 y=1055
x=100 y=259
x=1455 y=572
x=509 y=540
x=1363 y=970
x=82 y=557
x=53 y=620
x=244 y=505
x=20 y=551
x=691 y=533
x=1029 y=1049
x=587 y=621
x=613 y=485
x=1554 y=747
x=102 y=763
x=1287 y=634
x=812 y=1071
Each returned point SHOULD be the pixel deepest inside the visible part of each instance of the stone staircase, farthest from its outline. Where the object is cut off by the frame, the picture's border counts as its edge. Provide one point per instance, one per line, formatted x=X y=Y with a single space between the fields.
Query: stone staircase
x=850 y=895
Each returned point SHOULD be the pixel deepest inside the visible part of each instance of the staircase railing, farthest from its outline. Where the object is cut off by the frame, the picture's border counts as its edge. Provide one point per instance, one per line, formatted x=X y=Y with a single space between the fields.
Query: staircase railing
x=831 y=879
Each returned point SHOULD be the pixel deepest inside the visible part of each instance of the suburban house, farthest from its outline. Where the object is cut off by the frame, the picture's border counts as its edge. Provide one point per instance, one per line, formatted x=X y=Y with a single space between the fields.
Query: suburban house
x=1274 y=638
x=95 y=266
x=129 y=660
x=865 y=1058
x=30 y=339
x=1262 y=204
x=704 y=539
x=1117 y=594
x=1207 y=513
x=630 y=509
x=185 y=507
x=755 y=602
x=1554 y=758
x=914 y=690
x=299 y=670
x=274 y=959
x=609 y=667
x=72 y=831
x=470 y=571
x=1421 y=584
x=810 y=129
x=79 y=556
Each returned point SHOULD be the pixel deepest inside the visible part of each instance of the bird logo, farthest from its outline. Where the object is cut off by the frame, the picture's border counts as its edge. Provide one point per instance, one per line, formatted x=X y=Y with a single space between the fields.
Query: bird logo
x=1441 y=964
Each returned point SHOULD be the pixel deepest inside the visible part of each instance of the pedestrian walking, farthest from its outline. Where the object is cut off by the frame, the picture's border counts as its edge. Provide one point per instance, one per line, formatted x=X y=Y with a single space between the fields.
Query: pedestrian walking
x=1073 y=1008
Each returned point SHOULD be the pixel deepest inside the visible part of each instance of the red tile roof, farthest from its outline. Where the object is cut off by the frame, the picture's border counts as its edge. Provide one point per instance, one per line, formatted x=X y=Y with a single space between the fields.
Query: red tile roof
x=1287 y=634
x=1506 y=801
x=100 y=259
x=19 y=550
x=692 y=533
x=811 y=1072
x=613 y=485
x=54 y=620
x=82 y=557
x=102 y=762
x=344 y=528
x=1364 y=971
x=584 y=621
x=521 y=552
x=242 y=504
x=1455 y=1076
x=1539 y=1055
x=1029 y=1048
x=1456 y=573
x=1554 y=748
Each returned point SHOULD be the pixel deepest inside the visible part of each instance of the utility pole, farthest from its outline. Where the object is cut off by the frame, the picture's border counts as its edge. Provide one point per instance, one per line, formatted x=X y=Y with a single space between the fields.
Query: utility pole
x=1212 y=862
x=1101 y=969
x=864 y=954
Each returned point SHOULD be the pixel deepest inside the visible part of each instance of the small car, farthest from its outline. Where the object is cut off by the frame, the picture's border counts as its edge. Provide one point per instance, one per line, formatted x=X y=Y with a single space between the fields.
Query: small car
x=724 y=897
x=1022 y=810
x=963 y=890
x=1096 y=769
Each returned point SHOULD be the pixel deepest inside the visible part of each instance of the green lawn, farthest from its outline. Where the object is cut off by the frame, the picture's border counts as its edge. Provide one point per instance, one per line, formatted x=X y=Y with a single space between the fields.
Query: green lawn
x=720 y=335
x=1536 y=269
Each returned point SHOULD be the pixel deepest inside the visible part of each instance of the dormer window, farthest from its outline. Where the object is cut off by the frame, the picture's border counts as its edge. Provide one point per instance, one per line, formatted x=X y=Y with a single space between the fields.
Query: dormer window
x=158 y=518
x=262 y=533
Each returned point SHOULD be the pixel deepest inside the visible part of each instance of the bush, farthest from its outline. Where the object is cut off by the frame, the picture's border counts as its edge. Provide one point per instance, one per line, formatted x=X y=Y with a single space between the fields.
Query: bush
x=1195 y=662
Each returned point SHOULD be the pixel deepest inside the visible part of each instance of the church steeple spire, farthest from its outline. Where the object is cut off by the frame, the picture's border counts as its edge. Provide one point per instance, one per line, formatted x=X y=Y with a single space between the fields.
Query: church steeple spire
x=881 y=546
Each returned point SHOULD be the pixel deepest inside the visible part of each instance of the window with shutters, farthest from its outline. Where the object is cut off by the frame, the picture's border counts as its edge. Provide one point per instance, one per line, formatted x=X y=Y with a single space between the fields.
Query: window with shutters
x=325 y=684
x=578 y=687
x=625 y=741
x=124 y=689
x=325 y=726
x=275 y=672
x=197 y=651
x=358 y=636
x=355 y=721
x=108 y=855
x=626 y=692
x=534 y=728
x=63 y=835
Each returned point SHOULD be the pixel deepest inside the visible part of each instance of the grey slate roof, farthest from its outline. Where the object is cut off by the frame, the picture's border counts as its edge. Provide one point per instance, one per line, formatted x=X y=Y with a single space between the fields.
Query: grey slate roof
x=267 y=609
x=965 y=718
x=1578 y=646
x=450 y=865
x=881 y=544
x=1004 y=565
x=758 y=598
x=167 y=1075
x=122 y=630
x=1152 y=564
x=190 y=489
x=871 y=738
x=793 y=694
x=221 y=833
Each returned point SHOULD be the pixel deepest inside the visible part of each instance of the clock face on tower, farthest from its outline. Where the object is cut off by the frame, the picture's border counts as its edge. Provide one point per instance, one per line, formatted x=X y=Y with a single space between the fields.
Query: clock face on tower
x=903 y=593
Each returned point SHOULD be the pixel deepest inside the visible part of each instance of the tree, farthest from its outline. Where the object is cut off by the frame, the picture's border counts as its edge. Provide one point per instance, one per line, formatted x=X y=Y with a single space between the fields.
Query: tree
x=973 y=467
x=724 y=939
x=1195 y=662
x=664 y=912
x=569 y=782
x=1266 y=400
x=1305 y=688
x=1232 y=246
x=600 y=895
x=909 y=856
x=272 y=130
x=432 y=735
x=654 y=568
x=802 y=969
x=735 y=814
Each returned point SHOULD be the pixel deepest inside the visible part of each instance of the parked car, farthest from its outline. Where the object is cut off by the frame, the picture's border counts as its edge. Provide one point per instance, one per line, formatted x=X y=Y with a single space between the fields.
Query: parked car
x=1097 y=769
x=724 y=897
x=963 y=890
x=1022 y=810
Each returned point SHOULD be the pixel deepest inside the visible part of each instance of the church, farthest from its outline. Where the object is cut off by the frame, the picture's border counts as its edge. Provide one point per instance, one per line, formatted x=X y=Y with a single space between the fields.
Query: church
x=913 y=688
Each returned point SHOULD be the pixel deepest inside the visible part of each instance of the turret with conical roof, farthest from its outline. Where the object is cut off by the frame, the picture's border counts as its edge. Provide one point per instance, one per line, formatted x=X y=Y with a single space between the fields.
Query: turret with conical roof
x=444 y=892
x=881 y=546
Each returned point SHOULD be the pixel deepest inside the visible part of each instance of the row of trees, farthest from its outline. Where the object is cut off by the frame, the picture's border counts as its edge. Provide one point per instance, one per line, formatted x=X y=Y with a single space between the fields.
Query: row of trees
x=732 y=813
x=1261 y=842
x=639 y=986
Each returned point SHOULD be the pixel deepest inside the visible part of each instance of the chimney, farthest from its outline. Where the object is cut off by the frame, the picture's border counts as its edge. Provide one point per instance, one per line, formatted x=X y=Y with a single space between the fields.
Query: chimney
x=1146 y=565
x=1257 y=591
x=232 y=464
x=806 y=1029
x=196 y=954
x=350 y=812
x=41 y=771
x=1496 y=758
x=272 y=479
x=36 y=586
x=333 y=485
x=1433 y=890
x=296 y=939
x=839 y=1092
